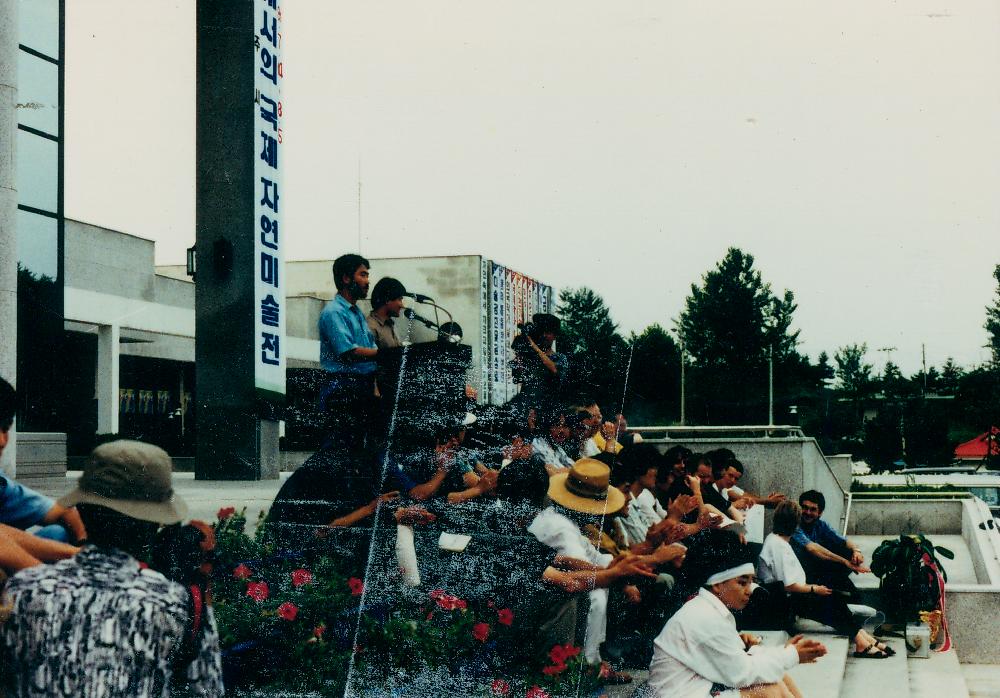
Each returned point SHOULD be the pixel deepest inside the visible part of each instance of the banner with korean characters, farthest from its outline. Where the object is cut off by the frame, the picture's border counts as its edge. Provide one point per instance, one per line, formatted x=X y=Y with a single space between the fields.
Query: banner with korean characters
x=269 y=293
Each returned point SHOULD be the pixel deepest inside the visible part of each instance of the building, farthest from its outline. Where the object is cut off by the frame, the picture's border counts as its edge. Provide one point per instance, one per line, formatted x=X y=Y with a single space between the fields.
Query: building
x=128 y=361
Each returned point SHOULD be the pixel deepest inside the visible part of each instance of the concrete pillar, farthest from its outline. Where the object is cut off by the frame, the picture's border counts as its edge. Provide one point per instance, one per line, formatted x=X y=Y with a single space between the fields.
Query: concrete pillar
x=108 y=369
x=8 y=207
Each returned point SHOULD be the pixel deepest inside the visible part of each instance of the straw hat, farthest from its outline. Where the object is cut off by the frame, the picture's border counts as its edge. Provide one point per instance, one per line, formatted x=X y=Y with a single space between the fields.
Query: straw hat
x=586 y=488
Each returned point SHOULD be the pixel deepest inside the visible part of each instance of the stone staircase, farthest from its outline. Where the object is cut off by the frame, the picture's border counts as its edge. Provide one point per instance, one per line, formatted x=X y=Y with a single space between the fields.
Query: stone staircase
x=841 y=675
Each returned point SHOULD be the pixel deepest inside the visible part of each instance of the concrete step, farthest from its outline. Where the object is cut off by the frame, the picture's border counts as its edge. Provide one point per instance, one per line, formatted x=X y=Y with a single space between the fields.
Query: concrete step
x=940 y=675
x=822 y=678
x=882 y=678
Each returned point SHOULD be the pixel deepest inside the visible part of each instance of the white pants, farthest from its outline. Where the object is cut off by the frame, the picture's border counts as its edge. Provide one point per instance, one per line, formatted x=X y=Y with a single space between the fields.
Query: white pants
x=597 y=625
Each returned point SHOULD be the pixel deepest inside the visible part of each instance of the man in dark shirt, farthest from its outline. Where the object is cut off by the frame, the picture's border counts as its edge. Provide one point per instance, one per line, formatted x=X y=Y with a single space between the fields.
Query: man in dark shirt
x=827 y=557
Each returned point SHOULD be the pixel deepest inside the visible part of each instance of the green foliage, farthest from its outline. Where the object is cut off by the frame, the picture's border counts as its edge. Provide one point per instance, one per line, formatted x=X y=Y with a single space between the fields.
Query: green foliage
x=992 y=324
x=854 y=374
x=598 y=354
x=951 y=376
x=883 y=442
x=295 y=622
x=653 y=395
x=906 y=569
x=731 y=324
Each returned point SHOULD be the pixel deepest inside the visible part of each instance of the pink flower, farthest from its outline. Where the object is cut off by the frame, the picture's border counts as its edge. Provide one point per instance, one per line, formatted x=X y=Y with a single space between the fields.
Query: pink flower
x=301 y=577
x=481 y=631
x=554 y=669
x=257 y=591
x=449 y=602
x=288 y=610
x=500 y=687
x=536 y=692
x=242 y=572
x=356 y=585
x=225 y=512
x=505 y=616
x=319 y=630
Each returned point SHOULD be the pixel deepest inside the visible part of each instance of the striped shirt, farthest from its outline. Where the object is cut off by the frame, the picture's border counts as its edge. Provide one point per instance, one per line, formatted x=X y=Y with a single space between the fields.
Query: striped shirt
x=98 y=625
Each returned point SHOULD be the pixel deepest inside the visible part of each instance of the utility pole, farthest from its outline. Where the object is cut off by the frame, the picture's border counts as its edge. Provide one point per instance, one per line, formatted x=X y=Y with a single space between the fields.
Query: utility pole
x=770 y=386
x=683 y=396
x=923 y=363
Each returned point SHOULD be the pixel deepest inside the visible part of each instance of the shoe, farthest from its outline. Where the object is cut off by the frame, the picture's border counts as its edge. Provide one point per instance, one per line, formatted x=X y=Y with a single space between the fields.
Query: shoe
x=886 y=648
x=871 y=652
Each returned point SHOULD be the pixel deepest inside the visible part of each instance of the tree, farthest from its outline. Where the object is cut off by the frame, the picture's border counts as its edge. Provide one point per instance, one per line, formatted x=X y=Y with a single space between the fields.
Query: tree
x=730 y=325
x=590 y=338
x=993 y=321
x=823 y=368
x=653 y=395
x=892 y=381
x=951 y=375
x=854 y=374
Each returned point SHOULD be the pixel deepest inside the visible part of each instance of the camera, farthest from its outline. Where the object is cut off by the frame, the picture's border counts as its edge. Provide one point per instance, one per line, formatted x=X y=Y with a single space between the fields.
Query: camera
x=526 y=327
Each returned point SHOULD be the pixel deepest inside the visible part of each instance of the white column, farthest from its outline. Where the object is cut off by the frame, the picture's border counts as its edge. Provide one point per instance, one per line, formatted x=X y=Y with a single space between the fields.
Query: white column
x=8 y=207
x=108 y=355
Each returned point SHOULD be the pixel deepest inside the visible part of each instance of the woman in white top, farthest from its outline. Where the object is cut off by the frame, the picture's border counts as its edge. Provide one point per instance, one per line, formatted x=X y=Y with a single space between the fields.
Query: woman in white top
x=547 y=447
x=778 y=563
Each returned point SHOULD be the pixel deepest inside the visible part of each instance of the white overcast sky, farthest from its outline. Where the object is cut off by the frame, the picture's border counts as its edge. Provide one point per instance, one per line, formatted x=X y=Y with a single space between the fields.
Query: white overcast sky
x=853 y=148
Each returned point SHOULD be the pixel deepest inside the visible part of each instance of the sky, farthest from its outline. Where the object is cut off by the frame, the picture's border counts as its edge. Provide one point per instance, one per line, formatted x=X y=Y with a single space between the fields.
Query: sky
x=853 y=148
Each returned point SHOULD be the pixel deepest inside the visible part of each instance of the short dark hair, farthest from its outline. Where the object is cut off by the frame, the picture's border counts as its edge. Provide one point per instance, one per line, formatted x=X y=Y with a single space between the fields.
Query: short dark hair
x=734 y=463
x=638 y=459
x=8 y=405
x=523 y=482
x=387 y=289
x=346 y=265
x=544 y=322
x=692 y=462
x=813 y=496
x=786 y=518
x=676 y=454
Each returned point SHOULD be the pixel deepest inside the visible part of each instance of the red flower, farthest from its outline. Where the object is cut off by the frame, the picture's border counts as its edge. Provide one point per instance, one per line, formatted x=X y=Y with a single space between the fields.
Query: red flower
x=500 y=687
x=450 y=603
x=288 y=610
x=437 y=594
x=560 y=653
x=536 y=692
x=301 y=576
x=357 y=586
x=225 y=512
x=554 y=669
x=505 y=616
x=242 y=572
x=319 y=630
x=257 y=591
x=481 y=631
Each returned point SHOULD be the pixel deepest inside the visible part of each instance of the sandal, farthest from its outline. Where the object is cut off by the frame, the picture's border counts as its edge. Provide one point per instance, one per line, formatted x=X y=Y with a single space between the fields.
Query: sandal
x=871 y=652
x=889 y=651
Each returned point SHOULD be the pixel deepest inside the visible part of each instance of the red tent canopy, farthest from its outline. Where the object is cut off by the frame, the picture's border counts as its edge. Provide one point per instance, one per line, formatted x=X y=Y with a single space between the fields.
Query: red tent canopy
x=975 y=449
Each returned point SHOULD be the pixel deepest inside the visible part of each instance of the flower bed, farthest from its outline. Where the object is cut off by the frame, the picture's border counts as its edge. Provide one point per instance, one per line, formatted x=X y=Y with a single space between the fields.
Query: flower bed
x=288 y=624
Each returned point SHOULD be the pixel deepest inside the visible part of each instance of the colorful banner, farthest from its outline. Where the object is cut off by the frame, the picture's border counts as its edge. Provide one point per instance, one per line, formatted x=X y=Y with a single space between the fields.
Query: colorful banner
x=512 y=298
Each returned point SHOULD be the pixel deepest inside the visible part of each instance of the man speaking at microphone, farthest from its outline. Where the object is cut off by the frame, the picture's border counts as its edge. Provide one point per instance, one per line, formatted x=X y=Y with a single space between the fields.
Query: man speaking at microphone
x=347 y=352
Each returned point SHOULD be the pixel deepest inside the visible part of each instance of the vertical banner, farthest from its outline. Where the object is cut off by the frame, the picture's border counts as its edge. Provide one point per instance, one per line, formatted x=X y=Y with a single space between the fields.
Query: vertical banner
x=484 y=330
x=512 y=299
x=269 y=290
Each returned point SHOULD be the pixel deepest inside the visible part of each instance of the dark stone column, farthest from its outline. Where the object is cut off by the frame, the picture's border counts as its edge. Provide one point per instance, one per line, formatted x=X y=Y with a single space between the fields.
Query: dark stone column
x=236 y=438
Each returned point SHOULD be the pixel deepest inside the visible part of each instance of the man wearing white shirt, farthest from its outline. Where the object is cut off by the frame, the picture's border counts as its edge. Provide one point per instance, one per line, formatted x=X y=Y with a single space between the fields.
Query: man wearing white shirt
x=700 y=654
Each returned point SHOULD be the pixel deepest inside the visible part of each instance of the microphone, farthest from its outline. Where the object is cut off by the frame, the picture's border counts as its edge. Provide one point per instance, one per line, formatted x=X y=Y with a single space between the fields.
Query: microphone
x=419 y=297
x=411 y=315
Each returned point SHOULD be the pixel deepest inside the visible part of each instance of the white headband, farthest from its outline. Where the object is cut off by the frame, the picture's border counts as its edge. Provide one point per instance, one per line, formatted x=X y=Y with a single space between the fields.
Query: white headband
x=731 y=573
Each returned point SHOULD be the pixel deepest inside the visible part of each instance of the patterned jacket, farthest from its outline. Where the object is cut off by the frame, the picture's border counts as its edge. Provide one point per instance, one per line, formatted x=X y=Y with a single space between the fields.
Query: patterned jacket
x=98 y=625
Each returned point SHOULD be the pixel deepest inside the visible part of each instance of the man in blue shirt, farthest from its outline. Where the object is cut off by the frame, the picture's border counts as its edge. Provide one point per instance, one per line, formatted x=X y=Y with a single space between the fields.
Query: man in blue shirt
x=347 y=351
x=827 y=557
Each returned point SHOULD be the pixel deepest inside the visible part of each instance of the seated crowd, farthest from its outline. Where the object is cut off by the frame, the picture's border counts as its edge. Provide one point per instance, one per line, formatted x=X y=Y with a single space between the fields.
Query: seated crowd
x=594 y=541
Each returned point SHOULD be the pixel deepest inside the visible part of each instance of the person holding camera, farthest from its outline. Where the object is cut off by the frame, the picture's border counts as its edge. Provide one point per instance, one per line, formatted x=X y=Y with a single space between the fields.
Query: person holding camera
x=537 y=366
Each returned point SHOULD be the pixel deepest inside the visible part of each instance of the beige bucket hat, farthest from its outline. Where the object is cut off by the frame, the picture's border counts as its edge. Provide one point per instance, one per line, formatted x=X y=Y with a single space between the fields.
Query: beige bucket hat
x=586 y=487
x=132 y=478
